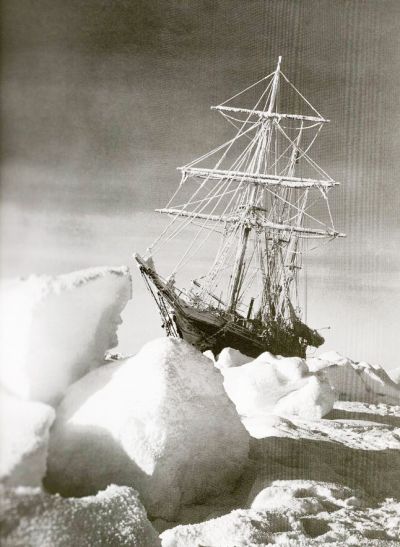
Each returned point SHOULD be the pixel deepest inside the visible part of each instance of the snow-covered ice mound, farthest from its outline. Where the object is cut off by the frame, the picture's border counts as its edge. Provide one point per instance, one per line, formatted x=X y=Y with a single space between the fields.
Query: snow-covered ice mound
x=159 y=421
x=283 y=386
x=356 y=381
x=114 y=517
x=311 y=482
x=24 y=433
x=314 y=517
x=55 y=329
x=394 y=374
x=230 y=357
x=237 y=529
x=362 y=455
x=302 y=496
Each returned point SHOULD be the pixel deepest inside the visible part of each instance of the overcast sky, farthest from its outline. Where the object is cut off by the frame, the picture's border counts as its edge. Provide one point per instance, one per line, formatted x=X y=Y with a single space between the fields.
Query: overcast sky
x=102 y=99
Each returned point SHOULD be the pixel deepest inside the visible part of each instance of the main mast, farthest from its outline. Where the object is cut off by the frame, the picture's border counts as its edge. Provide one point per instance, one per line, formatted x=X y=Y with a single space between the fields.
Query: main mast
x=244 y=228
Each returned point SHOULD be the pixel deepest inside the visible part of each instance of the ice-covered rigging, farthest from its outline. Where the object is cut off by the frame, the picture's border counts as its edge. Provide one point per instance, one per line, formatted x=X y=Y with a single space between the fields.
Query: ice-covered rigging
x=262 y=196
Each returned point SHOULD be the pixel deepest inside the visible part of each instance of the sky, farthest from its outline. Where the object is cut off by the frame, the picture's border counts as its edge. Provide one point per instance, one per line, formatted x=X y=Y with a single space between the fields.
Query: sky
x=102 y=100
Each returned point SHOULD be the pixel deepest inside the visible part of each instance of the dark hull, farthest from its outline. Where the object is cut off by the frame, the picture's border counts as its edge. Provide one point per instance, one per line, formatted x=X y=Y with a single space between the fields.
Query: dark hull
x=208 y=332
x=214 y=330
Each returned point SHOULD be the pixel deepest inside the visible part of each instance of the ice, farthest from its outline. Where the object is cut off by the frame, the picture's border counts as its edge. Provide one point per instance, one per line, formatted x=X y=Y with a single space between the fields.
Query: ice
x=55 y=329
x=394 y=374
x=282 y=386
x=24 y=433
x=356 y=381
x=296 y=513
x=113 y=517
x=239 y=528
x=362 y=455
x=162 y=422
x=302 y=496
x=159 y=421
x=231 y=358
x=209 y=354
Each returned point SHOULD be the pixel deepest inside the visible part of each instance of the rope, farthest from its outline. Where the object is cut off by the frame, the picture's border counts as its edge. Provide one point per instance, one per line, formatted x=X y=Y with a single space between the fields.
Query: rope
x=247 y=88
x=302 y=96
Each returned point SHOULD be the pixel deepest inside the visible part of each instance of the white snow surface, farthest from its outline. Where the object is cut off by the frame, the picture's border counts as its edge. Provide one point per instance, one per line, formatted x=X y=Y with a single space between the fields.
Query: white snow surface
x=359 y=446
x=301 y=496
x=282 y=386
x=296 y=513
x=159 y=421
x=313 y=482
x=24 y=434
x=394 y=374
x=115 y=516
x=230 y=357
x=53 y=330
x=356 y=381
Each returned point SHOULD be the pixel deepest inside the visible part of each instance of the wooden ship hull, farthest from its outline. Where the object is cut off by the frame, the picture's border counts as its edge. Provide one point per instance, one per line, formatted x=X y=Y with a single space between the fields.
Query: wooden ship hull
x=207 y=332
x=213 y=329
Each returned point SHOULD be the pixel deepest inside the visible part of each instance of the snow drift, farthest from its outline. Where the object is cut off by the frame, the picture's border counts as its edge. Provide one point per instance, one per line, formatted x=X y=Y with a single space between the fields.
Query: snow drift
x=361 y=454
x=159 y=421
x=356 y=381
x=24 y=433
x=230 y=357
x=112 y=517
x=301 y=495
x=271 y=385
x=394 y=374
x=296 y=513
x=55 y=329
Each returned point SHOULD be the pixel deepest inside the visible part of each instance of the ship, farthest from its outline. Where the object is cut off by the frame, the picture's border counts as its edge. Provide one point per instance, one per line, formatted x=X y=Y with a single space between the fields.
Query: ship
x=244 y=215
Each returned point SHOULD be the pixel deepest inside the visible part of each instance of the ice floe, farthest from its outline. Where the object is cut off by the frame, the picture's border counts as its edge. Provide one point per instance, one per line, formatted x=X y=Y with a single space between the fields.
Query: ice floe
x=319 y=463
x=230 y=357
x=356 y=381
x=159 y=421
x=114 y=517
x=53 y=330
x=283 y=386
x=24 y=433
x=296 y=513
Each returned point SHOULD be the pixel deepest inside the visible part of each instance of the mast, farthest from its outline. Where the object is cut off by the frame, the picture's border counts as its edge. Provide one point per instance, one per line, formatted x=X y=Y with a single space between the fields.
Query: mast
x=237 y=275
x=275 y=83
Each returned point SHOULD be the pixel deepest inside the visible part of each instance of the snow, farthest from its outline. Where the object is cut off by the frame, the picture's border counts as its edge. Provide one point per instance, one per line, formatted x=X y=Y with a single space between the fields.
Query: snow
x=24 y=433
x=297 y=513
x=302 y=496
x=113 y=517
x=282 y=386
x=159 y=421
x=230 y=357
x=394 y=374
x=163 y=426
x=238 y=528
x=364 y=455
x=356 y=381
x=53 y=330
